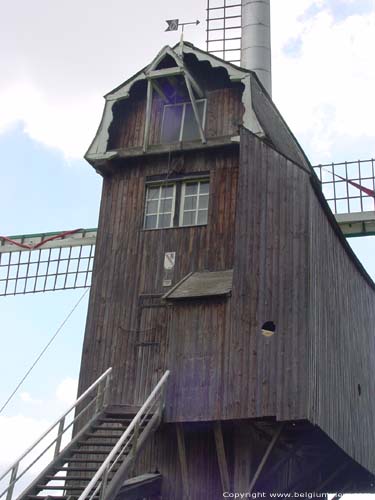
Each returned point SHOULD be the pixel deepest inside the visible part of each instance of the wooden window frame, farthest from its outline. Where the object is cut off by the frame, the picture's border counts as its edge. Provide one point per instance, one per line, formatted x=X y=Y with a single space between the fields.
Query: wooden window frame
x=179 y=186
x=182 y=196
x=159 y=185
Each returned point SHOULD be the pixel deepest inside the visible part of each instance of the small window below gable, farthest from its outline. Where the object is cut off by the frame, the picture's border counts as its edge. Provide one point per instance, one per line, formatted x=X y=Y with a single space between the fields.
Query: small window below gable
x=160 y=206
x=176 y=203
x=194 y=202
x=179 y=123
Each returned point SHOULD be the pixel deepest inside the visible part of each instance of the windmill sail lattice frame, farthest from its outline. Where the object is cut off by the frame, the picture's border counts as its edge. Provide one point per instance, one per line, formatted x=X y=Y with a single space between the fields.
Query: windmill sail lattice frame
x=223 y=29
x=46 y=262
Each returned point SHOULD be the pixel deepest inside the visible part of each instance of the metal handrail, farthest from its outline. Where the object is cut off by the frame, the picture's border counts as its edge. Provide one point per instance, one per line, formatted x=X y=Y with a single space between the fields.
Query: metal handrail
x=99 y=481
x=99 y=401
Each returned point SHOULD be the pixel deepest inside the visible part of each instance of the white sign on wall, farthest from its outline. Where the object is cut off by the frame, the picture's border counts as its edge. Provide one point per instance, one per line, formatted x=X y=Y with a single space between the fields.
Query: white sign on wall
x=169 y=260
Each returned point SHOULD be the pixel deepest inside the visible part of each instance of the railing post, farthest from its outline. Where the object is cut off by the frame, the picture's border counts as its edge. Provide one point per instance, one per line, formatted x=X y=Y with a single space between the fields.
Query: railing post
x=135 y=439
x=104 y=484
x=13 y=478
x=59 y=437
x=107 y=390
x=99 y=398
x=162 y=400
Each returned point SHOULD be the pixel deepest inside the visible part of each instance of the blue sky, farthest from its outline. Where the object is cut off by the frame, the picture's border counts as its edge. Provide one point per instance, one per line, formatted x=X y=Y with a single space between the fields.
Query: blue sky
x=339 y=9
x=44 y=192
x=57 y=60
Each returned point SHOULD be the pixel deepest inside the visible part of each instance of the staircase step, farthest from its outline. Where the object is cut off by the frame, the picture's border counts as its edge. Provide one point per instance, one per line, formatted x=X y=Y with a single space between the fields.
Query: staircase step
x=43 y=487
x=115 y=420
x=88 y=452
x=39 y=497
x=68 y=478
x=104 y=436
x=77 y=451
x=115 y=409
x=53 y=497
x=96 y=443
x=112 y=429
x=84 y=460
x=76 y=469
x=78 y=478
x=122 y=418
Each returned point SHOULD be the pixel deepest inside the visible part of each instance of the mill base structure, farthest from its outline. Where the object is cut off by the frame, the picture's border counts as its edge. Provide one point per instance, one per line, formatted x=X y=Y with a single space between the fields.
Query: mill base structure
x=218 y=258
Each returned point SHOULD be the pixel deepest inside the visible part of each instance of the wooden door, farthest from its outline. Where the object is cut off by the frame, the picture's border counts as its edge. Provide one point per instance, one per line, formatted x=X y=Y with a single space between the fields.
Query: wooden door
x=197 y=331
x=150 y=347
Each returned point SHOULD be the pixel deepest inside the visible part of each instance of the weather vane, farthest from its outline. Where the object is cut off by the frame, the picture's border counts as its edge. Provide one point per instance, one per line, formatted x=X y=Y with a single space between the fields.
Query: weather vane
x=174 y=24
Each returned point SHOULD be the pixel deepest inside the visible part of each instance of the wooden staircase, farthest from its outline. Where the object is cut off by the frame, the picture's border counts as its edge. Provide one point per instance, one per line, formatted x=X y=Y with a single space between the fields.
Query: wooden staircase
x=67 y=477
x=97 y=461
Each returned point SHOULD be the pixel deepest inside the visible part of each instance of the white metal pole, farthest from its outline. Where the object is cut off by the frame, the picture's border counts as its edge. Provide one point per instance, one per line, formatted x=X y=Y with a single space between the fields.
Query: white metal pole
x=256 y=40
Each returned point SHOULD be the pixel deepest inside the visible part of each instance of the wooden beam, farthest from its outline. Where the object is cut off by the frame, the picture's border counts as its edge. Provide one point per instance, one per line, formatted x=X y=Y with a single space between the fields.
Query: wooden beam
x=195 y=109
x=194 y=83
x=265 y=457
x=175 y=56
x=294 y=449
x=346 y=488
x=162 y=54
x=159 y=90
x=332 y=476
x=148 y=115
x=166 y=72
x=220 y=450
x=244 y=456
x=311 y=470
x=183 y=460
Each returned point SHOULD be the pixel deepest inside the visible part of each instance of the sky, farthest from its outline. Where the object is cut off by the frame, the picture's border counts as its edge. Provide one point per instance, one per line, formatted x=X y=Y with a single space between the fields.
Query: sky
x=57 y=60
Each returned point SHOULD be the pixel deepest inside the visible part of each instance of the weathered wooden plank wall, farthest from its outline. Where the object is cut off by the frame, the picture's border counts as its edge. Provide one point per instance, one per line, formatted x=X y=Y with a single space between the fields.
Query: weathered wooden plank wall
x=291 y=267
x=129 y=268
x=341 y=343
x=267 y=376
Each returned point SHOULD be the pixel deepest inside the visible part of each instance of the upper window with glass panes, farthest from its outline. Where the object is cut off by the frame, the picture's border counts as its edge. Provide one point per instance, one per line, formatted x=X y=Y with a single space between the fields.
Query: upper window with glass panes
x=160 y=206
x=162 y=200
x=179 y=122
x=194 y=203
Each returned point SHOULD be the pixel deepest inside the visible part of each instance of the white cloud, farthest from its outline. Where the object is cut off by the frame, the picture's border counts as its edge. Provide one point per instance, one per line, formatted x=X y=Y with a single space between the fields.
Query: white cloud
x=25 y=396
x=66 y=391
x=18 y=432
x=59 y=58
x=56 y=66
x=325 y=90
x=65 y=122
x=65 y=394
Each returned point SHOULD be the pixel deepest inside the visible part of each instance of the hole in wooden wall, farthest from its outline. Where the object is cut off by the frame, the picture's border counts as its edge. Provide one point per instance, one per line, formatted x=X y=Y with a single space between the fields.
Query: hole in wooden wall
x=359 y=389
x=268 y=328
